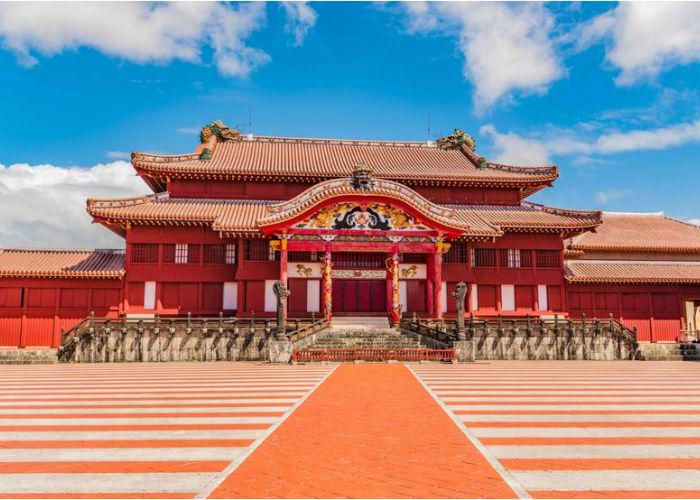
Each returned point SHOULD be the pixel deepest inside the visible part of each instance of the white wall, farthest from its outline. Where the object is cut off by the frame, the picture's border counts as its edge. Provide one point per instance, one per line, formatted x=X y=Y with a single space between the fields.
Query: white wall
x=475 y=297
x=542 y=297
x=149 y=295
x=443 y=294
x=403 y=296
x=313 y=295
x=507 y=297
x=270 y=299
x=230 y=296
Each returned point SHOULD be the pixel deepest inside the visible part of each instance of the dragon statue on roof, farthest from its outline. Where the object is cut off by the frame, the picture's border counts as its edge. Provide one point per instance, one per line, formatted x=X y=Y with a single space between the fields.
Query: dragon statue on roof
x=221 y=131
x=457 y=139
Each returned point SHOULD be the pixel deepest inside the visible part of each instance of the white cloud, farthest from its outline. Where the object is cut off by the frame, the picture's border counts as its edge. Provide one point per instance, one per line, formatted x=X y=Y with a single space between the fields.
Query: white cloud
x=695 y=222
x=515 y=149
x=300 y=19
x=512 y=146
x=135 y=31
x=646 y=38
x=118 y=155
x=507 y=47
x=44 y=205
x=605 y=197
x=188 y=130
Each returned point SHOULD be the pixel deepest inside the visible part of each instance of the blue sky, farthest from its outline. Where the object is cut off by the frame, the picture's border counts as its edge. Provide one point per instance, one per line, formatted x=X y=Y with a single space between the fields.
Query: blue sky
x=597 y=89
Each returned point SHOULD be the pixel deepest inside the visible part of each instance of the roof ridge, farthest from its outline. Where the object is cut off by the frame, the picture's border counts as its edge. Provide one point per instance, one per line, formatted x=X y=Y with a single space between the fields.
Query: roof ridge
x=4 y=248
x=658 y=214
x=337 y=141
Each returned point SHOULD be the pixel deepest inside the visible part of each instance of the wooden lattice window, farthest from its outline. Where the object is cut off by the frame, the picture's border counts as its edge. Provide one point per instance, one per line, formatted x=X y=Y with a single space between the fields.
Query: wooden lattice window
x=168 y=254
x=484 y=257
x=230 y=253
x=144 y=253
x=214 y=254
x=413 y=258
x=511 y=257
x=193 y=254
x=456 y=254
x=181 y=253
x=259 y=250
x=525 y=258
x=547 y=258
x=300 y=257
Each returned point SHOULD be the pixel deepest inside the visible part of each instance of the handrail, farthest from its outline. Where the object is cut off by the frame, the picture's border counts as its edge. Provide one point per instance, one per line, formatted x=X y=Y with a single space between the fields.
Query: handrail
x=308 y=330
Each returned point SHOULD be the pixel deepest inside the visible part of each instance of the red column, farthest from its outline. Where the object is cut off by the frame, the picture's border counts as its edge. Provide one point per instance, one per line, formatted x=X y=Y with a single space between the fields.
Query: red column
x=327 y=286
x=395 y=299
x=437 y=278
x=283 y=261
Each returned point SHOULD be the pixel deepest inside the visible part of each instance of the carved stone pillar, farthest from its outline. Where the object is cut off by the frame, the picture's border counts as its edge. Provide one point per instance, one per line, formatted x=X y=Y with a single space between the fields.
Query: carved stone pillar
x=282 y=293
x=459 y=295
x=327 y=286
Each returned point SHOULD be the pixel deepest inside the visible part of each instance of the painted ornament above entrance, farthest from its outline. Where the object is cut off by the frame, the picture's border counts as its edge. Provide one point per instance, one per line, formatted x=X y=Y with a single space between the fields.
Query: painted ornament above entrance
x=370 y=216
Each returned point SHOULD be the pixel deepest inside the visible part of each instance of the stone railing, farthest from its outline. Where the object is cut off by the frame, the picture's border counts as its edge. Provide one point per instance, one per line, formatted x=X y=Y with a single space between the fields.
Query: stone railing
x=174 y=339
x=532 y=338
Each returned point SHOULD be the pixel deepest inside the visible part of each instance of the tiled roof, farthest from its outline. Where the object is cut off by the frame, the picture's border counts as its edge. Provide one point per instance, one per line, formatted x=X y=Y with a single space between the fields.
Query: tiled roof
x=244 y=216
x=55 y=263
x=531 y=216
x=588 y=271
x=629 y=232
x=318 y=159
x=446 y=216
x=222 y=215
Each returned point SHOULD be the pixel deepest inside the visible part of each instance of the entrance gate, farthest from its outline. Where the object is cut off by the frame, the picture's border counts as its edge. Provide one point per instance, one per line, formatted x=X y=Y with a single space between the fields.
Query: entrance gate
x=359 y=296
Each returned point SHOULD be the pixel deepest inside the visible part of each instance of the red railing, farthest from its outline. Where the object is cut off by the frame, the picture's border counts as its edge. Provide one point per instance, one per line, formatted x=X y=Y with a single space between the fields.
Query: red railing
x=373 y=354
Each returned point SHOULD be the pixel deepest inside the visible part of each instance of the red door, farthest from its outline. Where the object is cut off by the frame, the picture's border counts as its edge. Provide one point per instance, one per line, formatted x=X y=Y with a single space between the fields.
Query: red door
x=415 y=291
x=359 y=296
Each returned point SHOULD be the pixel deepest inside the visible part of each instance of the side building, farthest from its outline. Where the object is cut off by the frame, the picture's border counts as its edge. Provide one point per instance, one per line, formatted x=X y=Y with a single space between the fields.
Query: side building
x=352 y=228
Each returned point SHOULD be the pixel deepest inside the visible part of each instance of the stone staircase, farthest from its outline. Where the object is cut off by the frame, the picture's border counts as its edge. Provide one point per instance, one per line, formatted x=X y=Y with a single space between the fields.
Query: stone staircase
x=669 y=352
x=27 y=356
x=368 y=333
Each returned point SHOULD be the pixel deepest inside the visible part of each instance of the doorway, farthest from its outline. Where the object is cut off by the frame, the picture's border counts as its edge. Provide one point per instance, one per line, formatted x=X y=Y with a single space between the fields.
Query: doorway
x=359 y=296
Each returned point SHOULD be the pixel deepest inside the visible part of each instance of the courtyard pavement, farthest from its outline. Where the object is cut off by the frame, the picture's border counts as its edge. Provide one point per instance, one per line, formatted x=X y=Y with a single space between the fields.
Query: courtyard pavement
x=482 y=430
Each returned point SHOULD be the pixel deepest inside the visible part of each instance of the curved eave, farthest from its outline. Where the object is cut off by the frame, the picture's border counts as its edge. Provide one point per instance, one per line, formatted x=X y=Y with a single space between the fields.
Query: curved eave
x=156 y=176
x=63 y=274
x=634 y=249
x=630 y=281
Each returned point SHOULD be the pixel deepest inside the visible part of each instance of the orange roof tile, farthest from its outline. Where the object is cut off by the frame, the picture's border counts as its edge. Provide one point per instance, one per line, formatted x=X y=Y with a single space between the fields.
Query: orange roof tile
x=589 y=271
x=246 y=216
x=630 y=232
x=55 y=263
x=318 y=159
x=531 y=216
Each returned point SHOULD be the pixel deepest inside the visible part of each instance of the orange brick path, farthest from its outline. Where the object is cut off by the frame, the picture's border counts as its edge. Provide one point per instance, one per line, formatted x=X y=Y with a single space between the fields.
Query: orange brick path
x=367 y=431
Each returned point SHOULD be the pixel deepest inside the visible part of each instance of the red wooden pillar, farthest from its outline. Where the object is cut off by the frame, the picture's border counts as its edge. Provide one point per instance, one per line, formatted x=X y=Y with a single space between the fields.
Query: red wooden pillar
x=23 y=322
x=327 y=285
x=437 y=277
x=56 y=334
x=283 y=261
x=395 y=300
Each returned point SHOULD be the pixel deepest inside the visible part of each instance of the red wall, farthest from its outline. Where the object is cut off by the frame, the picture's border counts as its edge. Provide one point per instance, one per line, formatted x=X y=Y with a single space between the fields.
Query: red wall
x=655 y=310
x=33 y=311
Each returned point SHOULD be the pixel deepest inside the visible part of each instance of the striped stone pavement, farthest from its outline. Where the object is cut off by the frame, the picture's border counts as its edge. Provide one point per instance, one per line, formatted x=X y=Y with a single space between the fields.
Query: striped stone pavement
x=138 y=430
x=580 y=429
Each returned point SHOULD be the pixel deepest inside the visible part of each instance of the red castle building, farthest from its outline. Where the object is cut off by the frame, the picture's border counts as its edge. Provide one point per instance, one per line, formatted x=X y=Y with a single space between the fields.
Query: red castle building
x=353 y=228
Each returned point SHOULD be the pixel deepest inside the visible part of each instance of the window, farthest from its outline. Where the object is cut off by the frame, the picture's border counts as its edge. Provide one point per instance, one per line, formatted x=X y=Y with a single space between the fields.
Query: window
x=456 y=254
x=525 y=258
x=144 y=253
x=359 y=260
x=483 y=257
x=168 y=254
x=300 y=256
x=259 y=250
x=510 y=257
x=230 y=253
x=547 y=258
x=193 y=254
x=214 y=254
x=413 y=258
x=180 y=253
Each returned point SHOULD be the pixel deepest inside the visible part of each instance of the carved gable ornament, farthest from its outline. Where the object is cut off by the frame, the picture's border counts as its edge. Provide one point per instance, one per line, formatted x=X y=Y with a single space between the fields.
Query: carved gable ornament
x=362 y=177
x=221 y=131
x=353 y=216
x=456 y=139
